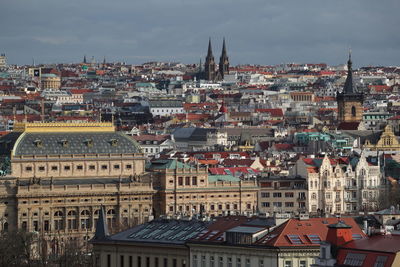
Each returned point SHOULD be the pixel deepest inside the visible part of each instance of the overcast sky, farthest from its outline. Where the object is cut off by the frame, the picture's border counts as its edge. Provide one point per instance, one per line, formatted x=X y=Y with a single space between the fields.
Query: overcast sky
x=257 y=32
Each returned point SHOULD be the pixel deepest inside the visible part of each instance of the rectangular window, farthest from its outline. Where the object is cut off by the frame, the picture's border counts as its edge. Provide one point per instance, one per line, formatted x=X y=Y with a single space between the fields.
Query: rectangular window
x=28 y=169
x=194 y=260
x=289 y=204
x=104 y=167
x=194 y=180
x=67 y=168
x=180 y=180
x=264 y=194
x=130 y=261
x=265 y=204
x=156 y=262
x=355 y=259
x=92 y=167
x=139 y=261
x=187 y=180
x=121 y=262
x=261 y=263
x=220 y=262
x=288 y=264
x=212 y=261
x=108 y=260
x=116 y=166
x=277 y=194
x=165 y=262
x=54 y=168
x=128 y=166
x=79 y=167
x=41 y=168
x=147 y=261
x=174 y=263
x=289 y=194
x=302 y=264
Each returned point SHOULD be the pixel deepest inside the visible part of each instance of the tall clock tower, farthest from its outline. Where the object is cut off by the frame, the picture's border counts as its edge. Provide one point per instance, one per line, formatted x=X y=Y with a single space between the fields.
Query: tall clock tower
x=349 y=101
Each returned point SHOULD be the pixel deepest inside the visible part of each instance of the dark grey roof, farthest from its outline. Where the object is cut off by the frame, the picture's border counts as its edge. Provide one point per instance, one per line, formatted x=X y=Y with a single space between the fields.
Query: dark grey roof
x=163 y=231
x=76 y=143
x=7 y=143
x=192 y=134
x=101 y=227
x=372 y=136
x=165 y=103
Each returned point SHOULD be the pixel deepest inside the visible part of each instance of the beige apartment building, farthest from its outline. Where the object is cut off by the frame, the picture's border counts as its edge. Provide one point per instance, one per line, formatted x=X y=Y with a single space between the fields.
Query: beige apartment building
x=187 y=190
x=282 y=194
x=342 y=185
x=62 y=173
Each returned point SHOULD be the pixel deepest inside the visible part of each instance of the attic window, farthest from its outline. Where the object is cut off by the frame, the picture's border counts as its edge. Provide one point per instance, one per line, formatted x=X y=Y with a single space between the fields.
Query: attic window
x=38 y=143
x=114 y=142
x=89 y=142
x=64 y=142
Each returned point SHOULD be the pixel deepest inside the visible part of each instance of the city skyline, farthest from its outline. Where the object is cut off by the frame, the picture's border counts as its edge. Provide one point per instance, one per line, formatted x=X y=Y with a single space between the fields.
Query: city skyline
x=177 y=31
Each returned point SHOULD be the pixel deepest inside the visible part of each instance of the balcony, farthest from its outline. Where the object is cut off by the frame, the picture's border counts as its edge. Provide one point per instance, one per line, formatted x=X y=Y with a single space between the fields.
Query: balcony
x=303 y=198
x=350 y=187
x=351 y=200
x=337 y=188
x=338 y=199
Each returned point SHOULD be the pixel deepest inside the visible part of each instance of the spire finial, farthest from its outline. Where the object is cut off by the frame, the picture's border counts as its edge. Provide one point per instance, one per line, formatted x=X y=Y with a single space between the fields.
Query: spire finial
x=349 y=61
x=209 y=52
x=223 y=48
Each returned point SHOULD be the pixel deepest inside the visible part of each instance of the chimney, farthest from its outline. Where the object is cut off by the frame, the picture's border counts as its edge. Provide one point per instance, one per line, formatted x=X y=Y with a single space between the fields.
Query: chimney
x=339 y=234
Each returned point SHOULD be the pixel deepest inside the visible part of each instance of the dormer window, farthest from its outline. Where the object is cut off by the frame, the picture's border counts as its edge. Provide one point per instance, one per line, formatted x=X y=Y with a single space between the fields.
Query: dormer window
x=89 y=142
x=114 y=142
x=38 y=143
x=64 y=143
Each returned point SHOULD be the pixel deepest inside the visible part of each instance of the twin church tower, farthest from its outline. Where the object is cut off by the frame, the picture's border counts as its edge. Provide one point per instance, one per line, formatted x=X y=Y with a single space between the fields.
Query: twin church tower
x=210 y=72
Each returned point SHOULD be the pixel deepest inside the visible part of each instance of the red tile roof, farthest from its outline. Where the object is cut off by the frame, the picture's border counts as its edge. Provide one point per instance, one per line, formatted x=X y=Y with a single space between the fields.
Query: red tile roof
x=280 y=237
x=372 y=247
x=275 y=112
x=237 y=162
x=348 y=126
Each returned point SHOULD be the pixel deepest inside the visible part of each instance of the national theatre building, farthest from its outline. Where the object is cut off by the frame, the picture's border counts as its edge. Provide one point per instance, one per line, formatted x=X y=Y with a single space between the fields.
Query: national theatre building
x=56 y=176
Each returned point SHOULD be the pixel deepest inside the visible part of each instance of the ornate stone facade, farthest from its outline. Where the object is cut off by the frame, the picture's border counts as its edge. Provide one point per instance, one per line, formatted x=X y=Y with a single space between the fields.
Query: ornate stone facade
x=62 y=173
x=187 y=191
x=342 y=185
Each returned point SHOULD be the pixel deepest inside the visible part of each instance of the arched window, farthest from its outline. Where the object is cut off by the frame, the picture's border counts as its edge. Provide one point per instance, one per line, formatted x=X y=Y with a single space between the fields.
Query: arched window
x=353 y=111
x=71 y=213
x=5 y=227
x=96 y=212
x=85 y=213
x=58 y=213
x=111 y=212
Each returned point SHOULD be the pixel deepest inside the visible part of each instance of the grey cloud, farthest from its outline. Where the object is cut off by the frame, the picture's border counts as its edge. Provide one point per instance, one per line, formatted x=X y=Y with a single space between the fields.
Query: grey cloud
x=262 y=32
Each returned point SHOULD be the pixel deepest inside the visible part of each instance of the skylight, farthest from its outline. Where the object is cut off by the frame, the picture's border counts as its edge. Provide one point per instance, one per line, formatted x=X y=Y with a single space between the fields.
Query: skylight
x=315 y=239
x=357 y=236
x=294 y=239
